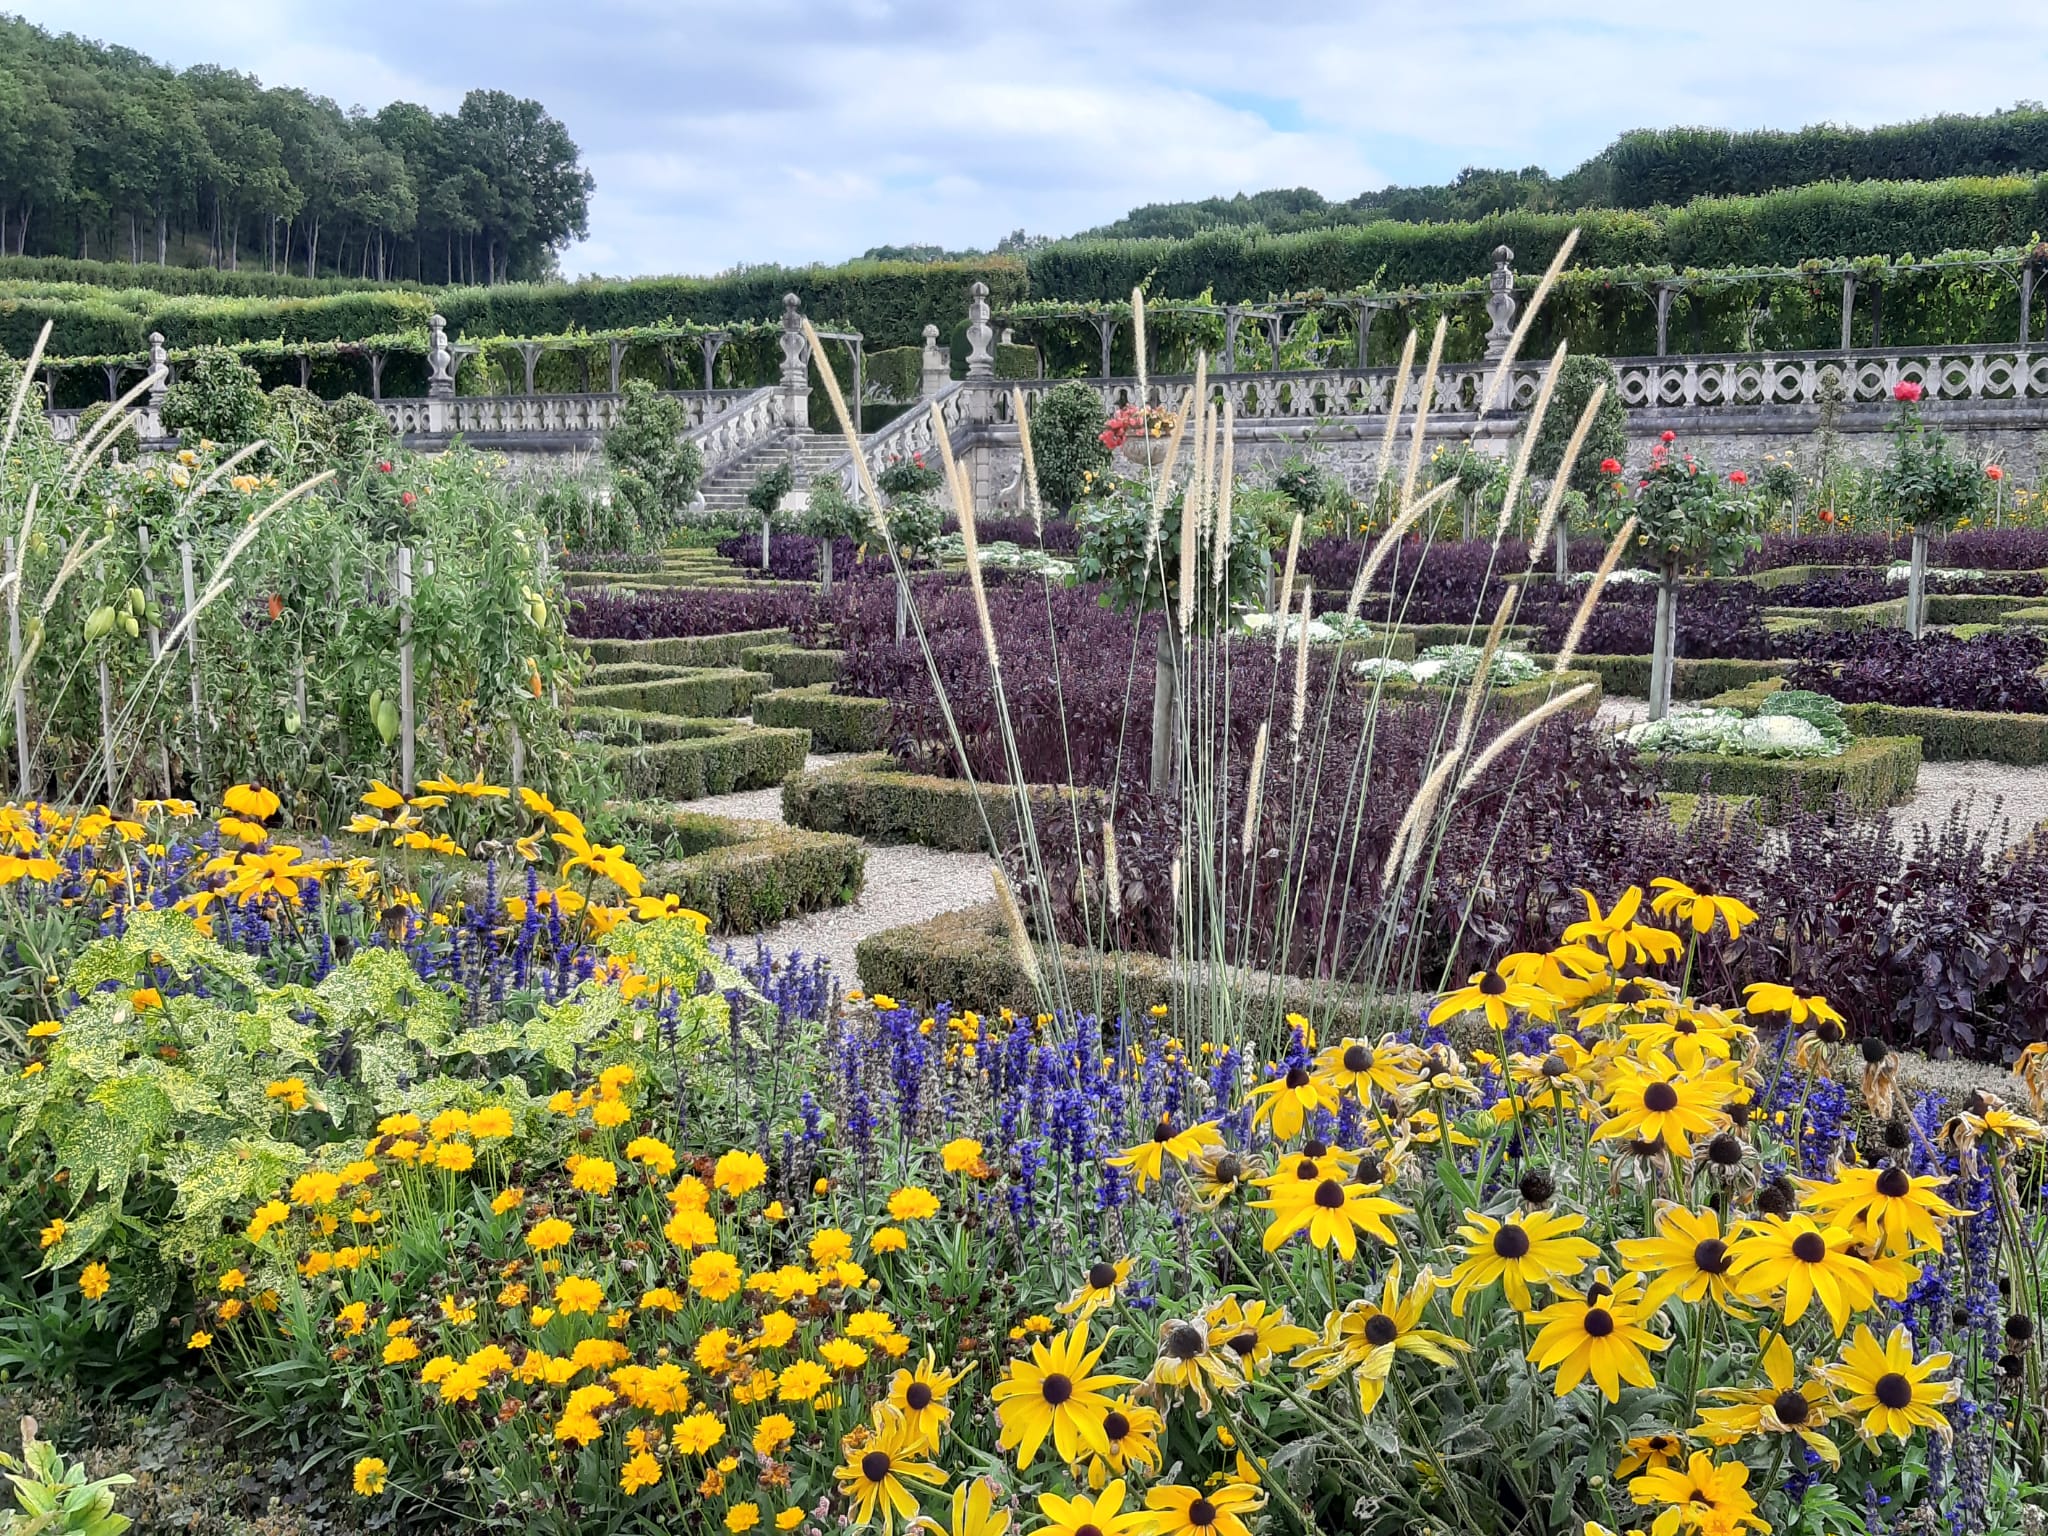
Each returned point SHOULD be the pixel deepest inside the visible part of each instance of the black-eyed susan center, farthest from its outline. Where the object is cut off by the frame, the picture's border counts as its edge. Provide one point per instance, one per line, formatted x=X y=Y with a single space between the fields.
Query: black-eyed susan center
x=1381 y=1330
x=1185 y=1343
x=1330 y=1195
x=1894 y=1183
x=1660 y=1098
x=1510 y=1242
x=1358 y=1058
x=1201 y=1513
x=1710 y=1257
x=918 y=1395
x=1493 y=984
x=1101 y=1276
x=875 y=1466
x=1893 y=1390
x=1115 y=1427
x=1056 y=1389
x=1810 y=1248
x=1792 y=1408
x=1598 y=1323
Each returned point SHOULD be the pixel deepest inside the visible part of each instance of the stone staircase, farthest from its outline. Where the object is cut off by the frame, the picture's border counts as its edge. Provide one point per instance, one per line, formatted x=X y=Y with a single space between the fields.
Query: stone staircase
x=725 y=489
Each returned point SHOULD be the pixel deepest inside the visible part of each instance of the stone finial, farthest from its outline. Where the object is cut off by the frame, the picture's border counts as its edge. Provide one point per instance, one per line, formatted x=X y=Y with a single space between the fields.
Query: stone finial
x=440 y=360
x=159 y=361
x=981 y=359
x=937 y=364
x=796 y=352
x=1500 y=304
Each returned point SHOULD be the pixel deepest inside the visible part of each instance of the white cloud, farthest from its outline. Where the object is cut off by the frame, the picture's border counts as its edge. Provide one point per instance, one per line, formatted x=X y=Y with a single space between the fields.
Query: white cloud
x=723 y=131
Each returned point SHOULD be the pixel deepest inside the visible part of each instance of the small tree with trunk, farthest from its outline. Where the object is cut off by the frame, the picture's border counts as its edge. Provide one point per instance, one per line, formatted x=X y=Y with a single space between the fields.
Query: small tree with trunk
x=1685 y=516
x=1933 y=488
x=1140 y=571
x=1606 y=439
x=765 y=497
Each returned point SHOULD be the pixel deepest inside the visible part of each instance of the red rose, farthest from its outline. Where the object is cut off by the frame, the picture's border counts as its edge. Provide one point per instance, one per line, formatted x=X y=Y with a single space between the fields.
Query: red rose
x=1993 y=472
x=383 y=466
x=1906 y=390
x=407 y=499
x=1827 y=514
x=1610 y=466
x=1737 y=477
x=1670 y=437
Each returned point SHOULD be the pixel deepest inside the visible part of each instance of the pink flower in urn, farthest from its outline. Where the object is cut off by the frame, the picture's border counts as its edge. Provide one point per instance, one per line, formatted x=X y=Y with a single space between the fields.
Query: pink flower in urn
x=1906 y=391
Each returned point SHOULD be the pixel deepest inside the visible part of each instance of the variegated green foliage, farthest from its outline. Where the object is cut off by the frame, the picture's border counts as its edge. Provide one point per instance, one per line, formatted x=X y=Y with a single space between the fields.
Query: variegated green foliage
x=156 y=1126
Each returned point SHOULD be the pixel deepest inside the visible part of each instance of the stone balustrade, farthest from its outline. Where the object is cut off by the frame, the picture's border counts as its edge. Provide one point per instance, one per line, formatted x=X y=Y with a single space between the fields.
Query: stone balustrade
x=491 y=417
x=912 y=435
x=64 y=424
x=1742 y=379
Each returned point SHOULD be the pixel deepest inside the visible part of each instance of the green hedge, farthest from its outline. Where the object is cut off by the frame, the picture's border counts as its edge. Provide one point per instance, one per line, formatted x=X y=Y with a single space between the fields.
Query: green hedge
x=1772 y=229
x=1957 y=735
x=747 y=875
x=792 y=666
x=688 y=650
x=689 y=759
x=1673 y=165
x=897 y=372
x=837 y=722
x=1628 y=677
x=694 y=692
x=167 y=279
x=888 y=302
x=1872 y=772
x=1516 y=699
x=1974 y=607
x=966 y=958
x=872 y=798
x=1520 y=636
x=1890 y=613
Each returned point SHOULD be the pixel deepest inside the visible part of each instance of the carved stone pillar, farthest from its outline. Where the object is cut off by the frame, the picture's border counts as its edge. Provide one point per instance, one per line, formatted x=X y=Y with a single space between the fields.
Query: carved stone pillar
x=1500 y=304
x=937 y=365
x=796 y=366
x=440 y=361
x=981 y=359
x=159 y=364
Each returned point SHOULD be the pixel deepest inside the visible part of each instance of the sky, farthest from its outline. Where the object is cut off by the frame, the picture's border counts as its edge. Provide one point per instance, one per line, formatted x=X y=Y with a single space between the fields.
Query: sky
x=729 y=132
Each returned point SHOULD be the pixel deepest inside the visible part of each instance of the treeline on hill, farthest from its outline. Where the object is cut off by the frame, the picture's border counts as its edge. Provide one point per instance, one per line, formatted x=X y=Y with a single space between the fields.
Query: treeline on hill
x=1641 y=169
x=104 y=153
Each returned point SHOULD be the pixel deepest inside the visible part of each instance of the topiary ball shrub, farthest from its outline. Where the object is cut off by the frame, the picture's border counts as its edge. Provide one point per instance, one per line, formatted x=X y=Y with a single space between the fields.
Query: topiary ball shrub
x=1066 y=442
x=218 y=397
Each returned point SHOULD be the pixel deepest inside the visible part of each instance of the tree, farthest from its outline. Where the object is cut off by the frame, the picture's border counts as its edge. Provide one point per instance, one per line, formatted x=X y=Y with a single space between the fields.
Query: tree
x=217 y=397
x=655 y=467
x=1066 y=442
x=1140 y=574
x=1932 y=487
x=1606 y=439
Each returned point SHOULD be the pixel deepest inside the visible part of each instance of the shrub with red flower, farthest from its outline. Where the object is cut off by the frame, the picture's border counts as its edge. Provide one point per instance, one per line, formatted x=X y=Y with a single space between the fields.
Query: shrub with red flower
x=1670 y=437
x=1993 y=472
x=1143 y=420
x=1610 y=466
x=1738 y=477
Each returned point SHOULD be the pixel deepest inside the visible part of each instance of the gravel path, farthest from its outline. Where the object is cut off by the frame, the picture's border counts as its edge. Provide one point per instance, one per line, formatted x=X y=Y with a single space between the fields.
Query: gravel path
x=905 y=884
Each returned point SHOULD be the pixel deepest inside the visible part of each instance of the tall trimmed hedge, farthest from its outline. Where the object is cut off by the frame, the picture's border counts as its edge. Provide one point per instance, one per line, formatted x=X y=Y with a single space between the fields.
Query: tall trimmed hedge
x=1675 y=165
